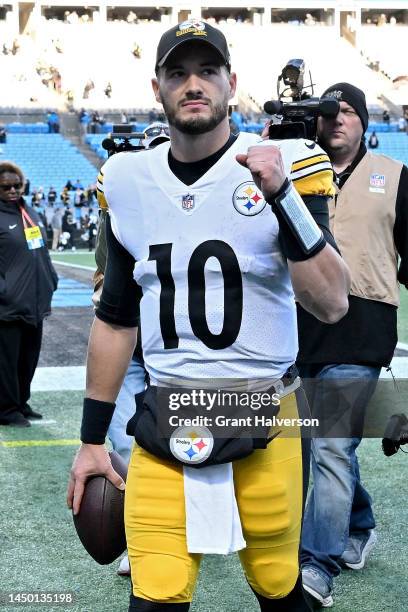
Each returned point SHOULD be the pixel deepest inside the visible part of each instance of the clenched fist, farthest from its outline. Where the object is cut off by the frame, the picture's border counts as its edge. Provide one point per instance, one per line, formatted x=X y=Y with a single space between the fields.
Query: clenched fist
x=266 y=166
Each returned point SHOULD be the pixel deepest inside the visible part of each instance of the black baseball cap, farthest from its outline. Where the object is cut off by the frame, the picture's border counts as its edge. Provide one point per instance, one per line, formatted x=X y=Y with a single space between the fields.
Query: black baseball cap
x=193 y=29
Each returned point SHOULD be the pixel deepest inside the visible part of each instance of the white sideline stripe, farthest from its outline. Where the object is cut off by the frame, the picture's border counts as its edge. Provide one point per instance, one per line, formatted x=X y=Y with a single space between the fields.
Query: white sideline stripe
x=69 y=378
x=72 y=378
x=43 y=422
x=69 y=265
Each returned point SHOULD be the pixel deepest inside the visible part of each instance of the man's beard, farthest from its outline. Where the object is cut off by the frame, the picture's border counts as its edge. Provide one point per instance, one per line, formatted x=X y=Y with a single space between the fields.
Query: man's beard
x=198 y=125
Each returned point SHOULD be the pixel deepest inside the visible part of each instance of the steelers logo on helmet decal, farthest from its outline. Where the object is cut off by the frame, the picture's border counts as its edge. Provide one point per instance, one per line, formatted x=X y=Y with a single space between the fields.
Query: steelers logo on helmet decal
x=248 y=200
x=191 y=444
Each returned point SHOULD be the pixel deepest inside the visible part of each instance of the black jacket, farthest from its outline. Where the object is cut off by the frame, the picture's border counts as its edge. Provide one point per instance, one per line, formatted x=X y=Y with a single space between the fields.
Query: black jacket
x=27 y=277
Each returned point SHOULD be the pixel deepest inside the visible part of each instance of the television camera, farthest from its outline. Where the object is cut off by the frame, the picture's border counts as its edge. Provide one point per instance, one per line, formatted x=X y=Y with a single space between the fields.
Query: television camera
x=296 y=111
x=120 y=138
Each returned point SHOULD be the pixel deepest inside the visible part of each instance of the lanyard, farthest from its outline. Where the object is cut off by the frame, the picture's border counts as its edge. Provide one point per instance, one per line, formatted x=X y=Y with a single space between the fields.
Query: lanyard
x=26 y=217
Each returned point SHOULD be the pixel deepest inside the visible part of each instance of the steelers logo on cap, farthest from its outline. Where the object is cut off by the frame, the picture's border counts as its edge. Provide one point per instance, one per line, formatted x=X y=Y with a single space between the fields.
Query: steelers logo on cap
x=248 y=200
x=191 y=444
x=192 y=23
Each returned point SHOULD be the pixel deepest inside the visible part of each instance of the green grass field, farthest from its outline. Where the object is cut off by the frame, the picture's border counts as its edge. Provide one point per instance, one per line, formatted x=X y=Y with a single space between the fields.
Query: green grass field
x=75 y=258
x=39 y=549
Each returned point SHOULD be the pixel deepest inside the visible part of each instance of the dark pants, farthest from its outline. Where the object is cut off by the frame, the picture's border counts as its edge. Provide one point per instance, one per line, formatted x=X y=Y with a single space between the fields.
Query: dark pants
x=20 y=346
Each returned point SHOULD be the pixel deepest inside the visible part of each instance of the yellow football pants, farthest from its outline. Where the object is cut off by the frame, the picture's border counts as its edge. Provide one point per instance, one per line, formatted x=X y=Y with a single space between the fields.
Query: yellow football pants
x=268 y=489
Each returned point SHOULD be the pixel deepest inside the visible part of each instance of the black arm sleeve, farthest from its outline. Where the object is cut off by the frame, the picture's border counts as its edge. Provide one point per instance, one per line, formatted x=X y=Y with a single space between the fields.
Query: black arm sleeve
x=318 y=208
x=401 y=226
x=121 y=294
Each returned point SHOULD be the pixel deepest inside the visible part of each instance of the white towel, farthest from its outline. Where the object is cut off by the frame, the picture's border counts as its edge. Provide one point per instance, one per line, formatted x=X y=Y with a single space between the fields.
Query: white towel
x=213 y=524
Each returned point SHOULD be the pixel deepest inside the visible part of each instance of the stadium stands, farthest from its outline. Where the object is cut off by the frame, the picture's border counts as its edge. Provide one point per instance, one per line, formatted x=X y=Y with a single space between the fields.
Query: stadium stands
x=393 y=145
x=17 y=127
x=379 y=44
x=81 y=54
x=48 y=159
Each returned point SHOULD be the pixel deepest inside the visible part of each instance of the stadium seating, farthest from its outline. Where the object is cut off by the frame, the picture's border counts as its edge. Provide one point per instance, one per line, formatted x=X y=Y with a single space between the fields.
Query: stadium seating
x=48 y=159
x=26 y=128
x=393 y=145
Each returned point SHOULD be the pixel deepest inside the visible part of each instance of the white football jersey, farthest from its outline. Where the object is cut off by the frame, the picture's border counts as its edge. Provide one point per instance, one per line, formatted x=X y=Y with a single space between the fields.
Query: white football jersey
x=217 y=297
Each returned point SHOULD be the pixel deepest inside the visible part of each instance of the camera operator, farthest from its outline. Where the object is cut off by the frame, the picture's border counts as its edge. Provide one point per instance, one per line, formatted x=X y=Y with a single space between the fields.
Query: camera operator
x=369 y=221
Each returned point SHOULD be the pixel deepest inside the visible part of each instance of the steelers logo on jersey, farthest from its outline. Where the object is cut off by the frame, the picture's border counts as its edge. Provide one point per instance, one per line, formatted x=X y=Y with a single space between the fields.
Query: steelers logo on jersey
x=248 y=200
x=191 y=444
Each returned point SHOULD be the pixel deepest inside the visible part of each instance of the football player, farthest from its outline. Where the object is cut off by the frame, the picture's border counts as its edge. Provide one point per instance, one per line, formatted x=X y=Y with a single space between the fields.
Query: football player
x=210 y=234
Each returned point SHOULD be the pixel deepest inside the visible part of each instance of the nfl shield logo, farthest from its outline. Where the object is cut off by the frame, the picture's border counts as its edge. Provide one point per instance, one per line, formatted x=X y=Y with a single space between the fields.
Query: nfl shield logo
x=377 y=180
x=187 y=202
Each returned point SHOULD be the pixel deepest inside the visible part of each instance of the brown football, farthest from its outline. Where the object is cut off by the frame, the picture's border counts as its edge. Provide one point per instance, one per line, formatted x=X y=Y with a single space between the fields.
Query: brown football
x=100 y=521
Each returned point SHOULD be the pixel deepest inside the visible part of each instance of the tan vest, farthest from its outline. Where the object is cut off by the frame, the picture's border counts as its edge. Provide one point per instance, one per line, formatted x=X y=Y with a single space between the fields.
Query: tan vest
x=362 y=222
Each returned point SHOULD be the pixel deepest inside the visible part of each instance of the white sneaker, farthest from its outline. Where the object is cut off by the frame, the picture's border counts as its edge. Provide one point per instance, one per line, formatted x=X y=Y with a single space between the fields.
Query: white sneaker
x=317 y=587
x=354 y=557
x=124 y=567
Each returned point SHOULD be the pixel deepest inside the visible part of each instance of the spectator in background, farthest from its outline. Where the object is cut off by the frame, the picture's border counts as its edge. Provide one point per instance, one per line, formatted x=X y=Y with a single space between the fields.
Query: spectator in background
x=90 y=195
x=310 y=20
x=52 y=196
x=53 y=122
x=40 y=210
x=34 y=197
x=25 y=297
x=16 y=47
x=69 y=186
x=108 y=90
x=68 y=226
x=41 y=195
x=95 y=123
x=48 y=213
x=137 y=51
x=79 y=201
x=78 y=184
x=89 y=86
x=65 y=196
x=26 y=187
x=56 y=226
x=92 y=222
x=401 y=124
x=3 y=134
x=58 y=45
x=84 y=120
x=373 y=141
x=132 y=17
x=386 y=116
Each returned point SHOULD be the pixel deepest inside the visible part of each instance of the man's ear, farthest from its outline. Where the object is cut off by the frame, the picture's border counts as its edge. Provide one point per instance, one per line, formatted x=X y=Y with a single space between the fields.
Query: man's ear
x=155 y=85
x=233 y=84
